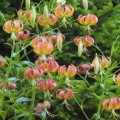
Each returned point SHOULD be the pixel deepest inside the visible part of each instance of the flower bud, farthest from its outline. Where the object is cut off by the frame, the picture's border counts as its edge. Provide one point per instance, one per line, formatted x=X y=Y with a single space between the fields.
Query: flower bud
x=33 y=17
x=96 y=64
x=80 y=48
x=45 y=14
x=85 y=4
x=62 y=2
x=59 y=41
x=27 y=4
x=39 y=108
x=11 y=86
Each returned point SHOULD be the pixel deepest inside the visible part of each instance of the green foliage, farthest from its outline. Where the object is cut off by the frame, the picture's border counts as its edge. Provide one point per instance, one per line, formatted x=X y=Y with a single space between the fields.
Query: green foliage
x=89 y=89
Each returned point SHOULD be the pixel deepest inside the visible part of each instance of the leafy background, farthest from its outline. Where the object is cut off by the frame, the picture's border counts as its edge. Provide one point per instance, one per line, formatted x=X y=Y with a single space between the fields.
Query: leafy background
x=104 y=34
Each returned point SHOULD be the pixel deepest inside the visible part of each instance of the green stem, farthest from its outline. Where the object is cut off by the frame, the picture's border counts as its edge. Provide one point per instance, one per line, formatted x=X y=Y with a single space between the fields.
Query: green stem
x=101 y=98
x=32 y=102
x=81 y=108
x=2 y=95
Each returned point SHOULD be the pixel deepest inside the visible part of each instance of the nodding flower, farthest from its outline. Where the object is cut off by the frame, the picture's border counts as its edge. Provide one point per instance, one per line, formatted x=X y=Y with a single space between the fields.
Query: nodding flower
x=117 y=79
x=89 y=19
x=87 y=41
x=51 y=20
x=48 y=84
x=43 y=47
x=23 y=35
x=111 y=104
x=13 y=26
x=64 y=11
x=53 y=37
x=82 y=43
x=68 y=72
x=32 y=73
x=105 y=62
x=49 y=66
x=64 y=94
x=35 y=41
x=11 y=86
x=82 y=69
x=39 y=108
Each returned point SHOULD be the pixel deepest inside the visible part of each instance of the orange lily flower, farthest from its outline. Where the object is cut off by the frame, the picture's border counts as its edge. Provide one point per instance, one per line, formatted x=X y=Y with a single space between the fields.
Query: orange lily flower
x=64 y=11
x=111 y=104
x=68 y=72
x=13 y=26
x=89 y=19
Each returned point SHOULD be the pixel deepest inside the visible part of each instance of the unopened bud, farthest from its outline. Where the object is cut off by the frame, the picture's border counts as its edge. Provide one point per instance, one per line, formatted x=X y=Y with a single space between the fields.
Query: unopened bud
x=85 y=4
x=80 y=48
x=59 y=42
x=96 y=64
x=33 y=16
x=27 y=4
x=11 y=86
x=45 y=14
x=61 y=2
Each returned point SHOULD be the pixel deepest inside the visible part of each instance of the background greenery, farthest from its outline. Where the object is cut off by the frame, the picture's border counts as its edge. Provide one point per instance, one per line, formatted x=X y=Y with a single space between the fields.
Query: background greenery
x=104 y=34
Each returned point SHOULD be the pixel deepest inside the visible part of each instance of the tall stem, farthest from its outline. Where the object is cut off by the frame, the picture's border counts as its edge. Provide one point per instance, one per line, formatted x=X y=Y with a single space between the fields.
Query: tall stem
x=32 y=102
x=101 y=98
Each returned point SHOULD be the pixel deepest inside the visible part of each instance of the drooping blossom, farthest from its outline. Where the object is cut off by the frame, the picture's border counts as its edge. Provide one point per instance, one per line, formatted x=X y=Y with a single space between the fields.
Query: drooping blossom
x=89 y=19
x=39 y=108
x=64 y=94
x=49 y=66
x=64 y=11
x=11 y=86
x=82 y=69
x=13 y=26
x=117 y=79
x=23 y=35
x=48 y=84
x=44 y=47
x=111 y=104
x=68 y=72
x=32 y=73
